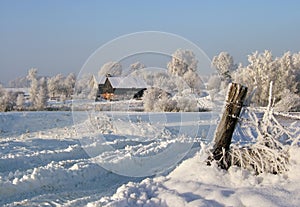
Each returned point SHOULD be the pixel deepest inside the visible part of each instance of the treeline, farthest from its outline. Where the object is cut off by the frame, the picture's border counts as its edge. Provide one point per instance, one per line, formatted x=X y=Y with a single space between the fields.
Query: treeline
x=41 y=90
x=174 y=89
x=262 y=68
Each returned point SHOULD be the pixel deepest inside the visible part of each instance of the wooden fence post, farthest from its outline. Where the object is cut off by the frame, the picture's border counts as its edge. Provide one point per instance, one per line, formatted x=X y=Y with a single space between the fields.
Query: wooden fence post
x=222 y=140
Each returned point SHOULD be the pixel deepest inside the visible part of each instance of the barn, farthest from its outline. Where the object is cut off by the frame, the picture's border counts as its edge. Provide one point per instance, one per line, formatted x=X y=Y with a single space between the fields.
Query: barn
x=120 y=88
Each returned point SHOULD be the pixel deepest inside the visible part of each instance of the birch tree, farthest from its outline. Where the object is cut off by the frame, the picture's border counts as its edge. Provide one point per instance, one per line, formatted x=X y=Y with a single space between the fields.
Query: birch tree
x=33 y=91
x=42 y=97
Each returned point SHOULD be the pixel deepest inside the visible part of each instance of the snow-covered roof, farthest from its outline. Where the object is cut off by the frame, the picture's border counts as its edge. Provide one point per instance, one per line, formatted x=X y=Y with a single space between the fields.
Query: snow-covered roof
x=102 y=79
x=126 y=82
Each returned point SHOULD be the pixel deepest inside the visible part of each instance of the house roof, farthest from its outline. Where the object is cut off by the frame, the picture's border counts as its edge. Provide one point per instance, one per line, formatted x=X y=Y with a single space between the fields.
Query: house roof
x=102 y=79
x=126 y=82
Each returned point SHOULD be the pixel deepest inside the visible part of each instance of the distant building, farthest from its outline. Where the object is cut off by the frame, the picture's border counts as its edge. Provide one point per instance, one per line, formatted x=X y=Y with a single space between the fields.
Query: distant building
x=120 y=88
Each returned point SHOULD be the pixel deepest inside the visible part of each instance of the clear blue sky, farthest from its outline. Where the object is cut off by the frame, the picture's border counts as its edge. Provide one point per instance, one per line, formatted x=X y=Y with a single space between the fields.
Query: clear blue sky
x=59 y=35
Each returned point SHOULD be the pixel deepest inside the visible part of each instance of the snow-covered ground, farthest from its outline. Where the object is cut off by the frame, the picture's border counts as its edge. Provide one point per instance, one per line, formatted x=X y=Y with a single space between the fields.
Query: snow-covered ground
x=60 y=158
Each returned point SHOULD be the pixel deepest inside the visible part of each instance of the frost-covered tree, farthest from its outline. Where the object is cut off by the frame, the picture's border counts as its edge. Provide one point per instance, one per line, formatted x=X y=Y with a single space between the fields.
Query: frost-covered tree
x=111 y=68
x=184 y=64
x=289 y=71
x=164 y=81
x=135 y=67
x=2 y=91
x=296 y=63
x=262 y=69
x=193 y=81
x=42 y=97
x=20 y=82
x=225 y=66
x=56 y=86
x=52 y=87
x=83 y=86
x=7 y=99
x=244 y=76
x=70 y=84
x=181 y=62
x=20 y=101
x=33 y=91
x=93 y=88
x=3 y=99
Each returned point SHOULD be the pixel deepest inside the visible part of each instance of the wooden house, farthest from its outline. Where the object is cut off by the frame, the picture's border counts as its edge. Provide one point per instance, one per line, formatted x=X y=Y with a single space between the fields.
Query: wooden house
x=120 y=88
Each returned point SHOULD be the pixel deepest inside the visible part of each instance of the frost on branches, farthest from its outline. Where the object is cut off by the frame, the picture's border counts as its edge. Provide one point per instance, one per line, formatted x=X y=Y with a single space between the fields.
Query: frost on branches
x=158 y=100
x=263 y=68
x=269 y=142
x=33 y=91
x=184 y=64
x=112 y=68
x=224 y=65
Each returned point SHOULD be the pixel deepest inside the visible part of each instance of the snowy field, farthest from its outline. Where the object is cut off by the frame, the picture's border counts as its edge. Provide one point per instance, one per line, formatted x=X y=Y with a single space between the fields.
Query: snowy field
x=127 y=159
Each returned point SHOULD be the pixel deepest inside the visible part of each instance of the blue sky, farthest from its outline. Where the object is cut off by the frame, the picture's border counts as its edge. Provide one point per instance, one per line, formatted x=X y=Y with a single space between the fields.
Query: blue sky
x=57 y=36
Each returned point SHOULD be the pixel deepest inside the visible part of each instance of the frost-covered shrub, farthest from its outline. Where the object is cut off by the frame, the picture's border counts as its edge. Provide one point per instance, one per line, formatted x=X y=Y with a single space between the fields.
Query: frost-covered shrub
x=165 y=103
x=267 y=154
x=150 y=97
x=186 y=104
x=269 y=146
x=158 y=100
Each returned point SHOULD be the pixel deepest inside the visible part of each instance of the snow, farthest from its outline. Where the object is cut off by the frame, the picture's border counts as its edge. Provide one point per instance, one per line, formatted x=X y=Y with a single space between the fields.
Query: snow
x=47 y=159
x=102 y=79
x=126 y=82
x=193 y=183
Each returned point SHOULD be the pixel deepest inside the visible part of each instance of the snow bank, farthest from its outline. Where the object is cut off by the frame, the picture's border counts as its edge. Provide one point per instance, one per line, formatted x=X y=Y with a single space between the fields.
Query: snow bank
x=43 y=162
x=193 y=183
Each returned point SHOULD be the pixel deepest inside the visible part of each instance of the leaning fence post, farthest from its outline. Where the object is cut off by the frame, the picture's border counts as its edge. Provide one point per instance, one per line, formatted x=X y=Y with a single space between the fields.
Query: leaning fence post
x=222 y=140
